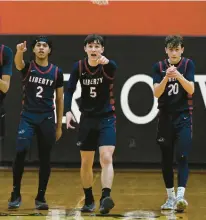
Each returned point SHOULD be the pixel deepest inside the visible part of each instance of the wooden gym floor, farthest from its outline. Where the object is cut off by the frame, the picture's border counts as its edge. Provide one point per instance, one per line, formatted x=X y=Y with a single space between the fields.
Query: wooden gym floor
x=137 y=195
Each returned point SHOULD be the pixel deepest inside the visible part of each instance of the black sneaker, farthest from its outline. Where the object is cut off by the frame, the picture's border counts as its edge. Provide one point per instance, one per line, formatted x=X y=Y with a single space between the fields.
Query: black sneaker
x=14 y=201
x=41 y=204
x=88 y=208
x=106 y=204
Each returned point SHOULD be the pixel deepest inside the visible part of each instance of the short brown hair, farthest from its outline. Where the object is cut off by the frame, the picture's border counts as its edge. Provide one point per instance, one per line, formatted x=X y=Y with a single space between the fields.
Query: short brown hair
x=173 y=41
x=92 y=38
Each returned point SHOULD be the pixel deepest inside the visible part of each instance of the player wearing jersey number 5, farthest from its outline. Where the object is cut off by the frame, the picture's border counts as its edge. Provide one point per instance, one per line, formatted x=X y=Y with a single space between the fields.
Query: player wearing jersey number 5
x=97 y=123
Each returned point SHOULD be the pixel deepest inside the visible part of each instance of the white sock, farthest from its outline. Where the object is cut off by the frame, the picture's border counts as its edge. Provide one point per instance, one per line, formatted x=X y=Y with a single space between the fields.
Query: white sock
x=171 y=193
x=180 y=191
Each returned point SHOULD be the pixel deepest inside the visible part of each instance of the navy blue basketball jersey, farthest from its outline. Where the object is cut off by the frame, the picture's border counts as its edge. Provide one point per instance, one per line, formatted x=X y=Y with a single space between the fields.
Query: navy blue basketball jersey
x=2 y=95
x=174 y=98
x=6 y=60
x=97 y=89
x=1 y=54
x=39 y=87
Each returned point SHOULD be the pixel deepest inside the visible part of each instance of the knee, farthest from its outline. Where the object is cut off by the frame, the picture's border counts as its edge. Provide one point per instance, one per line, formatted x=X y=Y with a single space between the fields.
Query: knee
x=21 y=153
x=86 y=163
x=182 y=159
x=164 y=145
x=45 y=154
x=23 y=143
x=44 y=161
x=106 y=158
x=19 y=158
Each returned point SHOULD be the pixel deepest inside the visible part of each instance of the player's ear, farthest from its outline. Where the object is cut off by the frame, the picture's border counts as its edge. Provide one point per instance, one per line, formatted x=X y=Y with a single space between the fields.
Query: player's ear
x=49 y=50
x=85 y=49
x=102 y=49
x=183 y=49
x=166 y=50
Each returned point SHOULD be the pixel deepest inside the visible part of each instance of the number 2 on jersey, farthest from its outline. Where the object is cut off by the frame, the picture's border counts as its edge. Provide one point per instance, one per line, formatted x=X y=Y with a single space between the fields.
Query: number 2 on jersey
x=174 y=89
x=93 y=93
x=38 y=94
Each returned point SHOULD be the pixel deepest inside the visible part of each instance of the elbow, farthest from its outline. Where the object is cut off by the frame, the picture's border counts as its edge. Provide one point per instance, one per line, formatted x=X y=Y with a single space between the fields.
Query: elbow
x=59 y=100
x=192 y=89
x=18 y=67
x=5 y=89
x=156 y=94
x=191 y=92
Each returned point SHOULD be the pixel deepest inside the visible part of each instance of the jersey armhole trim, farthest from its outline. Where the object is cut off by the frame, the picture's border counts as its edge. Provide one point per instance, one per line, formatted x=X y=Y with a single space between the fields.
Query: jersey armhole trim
x=1 y=54
x=106 y=75
x=160 y=65
x=186 y=65
x=27 y=74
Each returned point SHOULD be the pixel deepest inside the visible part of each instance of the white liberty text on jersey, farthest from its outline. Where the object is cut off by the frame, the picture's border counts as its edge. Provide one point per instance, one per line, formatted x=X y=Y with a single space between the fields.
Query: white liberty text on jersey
x=40 y=80
x=95 y=81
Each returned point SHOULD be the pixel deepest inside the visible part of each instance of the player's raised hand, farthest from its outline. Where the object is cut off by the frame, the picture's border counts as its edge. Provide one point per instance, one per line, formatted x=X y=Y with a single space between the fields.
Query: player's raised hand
x=102 y=60
x=21 y=47
x=69 y=119
x=100 y=2
x=171 y=70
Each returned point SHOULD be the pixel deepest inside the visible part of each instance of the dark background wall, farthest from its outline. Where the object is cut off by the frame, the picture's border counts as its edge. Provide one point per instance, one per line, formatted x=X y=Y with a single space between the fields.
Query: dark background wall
x=135 y=56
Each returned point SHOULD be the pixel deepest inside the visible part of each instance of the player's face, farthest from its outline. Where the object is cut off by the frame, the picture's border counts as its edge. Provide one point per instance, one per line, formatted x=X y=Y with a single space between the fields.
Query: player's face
x=94 y=50
x=41 y=50
x=174 y=53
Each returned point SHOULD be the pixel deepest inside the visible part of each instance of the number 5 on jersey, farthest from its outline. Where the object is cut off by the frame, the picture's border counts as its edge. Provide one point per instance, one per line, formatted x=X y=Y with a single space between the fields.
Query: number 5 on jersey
x=39 y=91
x=93 y=92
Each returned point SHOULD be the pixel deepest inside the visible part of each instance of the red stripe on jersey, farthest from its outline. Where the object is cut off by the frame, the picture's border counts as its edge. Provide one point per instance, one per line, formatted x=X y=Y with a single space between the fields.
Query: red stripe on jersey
x=47 y=71
x=106 y=75
x=87 y=69
x=27 y=74
x=1 y=54
x=160 y=64
x=80 y=68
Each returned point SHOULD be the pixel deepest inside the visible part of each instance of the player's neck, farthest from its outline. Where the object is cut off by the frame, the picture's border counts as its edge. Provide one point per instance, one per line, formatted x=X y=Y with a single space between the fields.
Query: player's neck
x=92 y=62
x=42 y=62
x=173 y=63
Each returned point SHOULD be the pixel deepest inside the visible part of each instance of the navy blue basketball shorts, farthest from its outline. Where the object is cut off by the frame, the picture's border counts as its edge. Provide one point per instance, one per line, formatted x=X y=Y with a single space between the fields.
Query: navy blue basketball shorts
x=96 y=131
x=42 y=125
x=175 y=130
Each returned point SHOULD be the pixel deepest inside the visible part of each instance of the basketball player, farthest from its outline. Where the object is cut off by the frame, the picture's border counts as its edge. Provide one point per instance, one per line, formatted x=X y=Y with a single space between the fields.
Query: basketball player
x=174 y=86
x=6 y=62
x=97 y=123
x=40 y=80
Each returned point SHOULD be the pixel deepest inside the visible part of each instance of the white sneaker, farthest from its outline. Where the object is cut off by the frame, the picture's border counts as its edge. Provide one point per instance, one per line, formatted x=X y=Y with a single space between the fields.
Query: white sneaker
x=169 y=204
x=180 y=204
